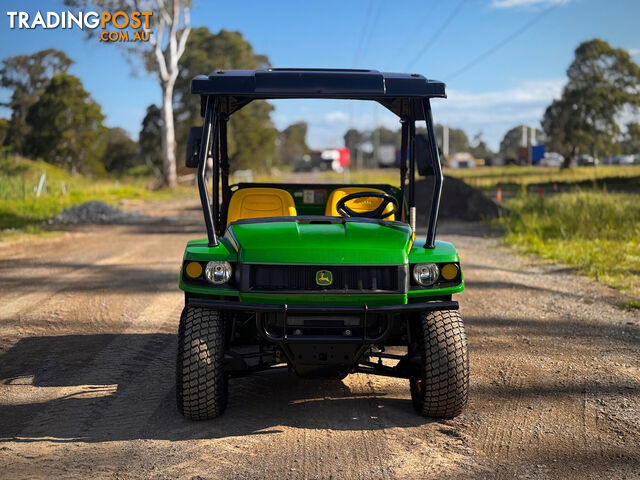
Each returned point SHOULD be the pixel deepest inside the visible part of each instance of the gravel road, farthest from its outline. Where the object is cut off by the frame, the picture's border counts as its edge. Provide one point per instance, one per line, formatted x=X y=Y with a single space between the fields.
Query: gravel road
x=87 y=346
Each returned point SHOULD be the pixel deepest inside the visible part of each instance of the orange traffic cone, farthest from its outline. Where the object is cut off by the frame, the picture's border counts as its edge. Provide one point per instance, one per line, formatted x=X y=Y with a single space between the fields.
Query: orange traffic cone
x=499 y=195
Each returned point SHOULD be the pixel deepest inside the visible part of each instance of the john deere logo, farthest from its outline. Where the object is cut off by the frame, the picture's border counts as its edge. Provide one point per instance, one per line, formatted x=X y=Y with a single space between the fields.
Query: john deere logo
x=324 y=278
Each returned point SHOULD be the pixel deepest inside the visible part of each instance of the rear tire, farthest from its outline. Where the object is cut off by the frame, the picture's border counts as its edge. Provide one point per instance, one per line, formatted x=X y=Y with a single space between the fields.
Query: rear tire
x=441 y=386
x=201 y=382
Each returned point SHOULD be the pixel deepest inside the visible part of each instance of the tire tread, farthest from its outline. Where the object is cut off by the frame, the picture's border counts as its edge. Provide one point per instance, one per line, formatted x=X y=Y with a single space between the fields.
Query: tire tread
x=201 y=383
x=445 y=365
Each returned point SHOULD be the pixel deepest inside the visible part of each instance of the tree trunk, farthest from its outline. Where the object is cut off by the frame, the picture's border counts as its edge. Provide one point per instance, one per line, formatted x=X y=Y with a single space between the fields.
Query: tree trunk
x=168 y=136
x=568 y=158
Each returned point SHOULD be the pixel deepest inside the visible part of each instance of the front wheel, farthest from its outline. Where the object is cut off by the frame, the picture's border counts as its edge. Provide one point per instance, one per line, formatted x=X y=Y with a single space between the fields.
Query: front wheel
x=441 y=385
x=201 y=382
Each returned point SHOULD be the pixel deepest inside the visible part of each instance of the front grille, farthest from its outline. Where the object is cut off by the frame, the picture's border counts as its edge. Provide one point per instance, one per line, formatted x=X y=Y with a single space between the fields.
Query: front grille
x=293 y=278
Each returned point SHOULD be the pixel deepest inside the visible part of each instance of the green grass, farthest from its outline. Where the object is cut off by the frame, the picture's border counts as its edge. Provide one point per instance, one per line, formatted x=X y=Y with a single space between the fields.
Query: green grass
x=514 y=176
x=21 y=210
x=596 y=232
x=485 y=178
x=630 y=305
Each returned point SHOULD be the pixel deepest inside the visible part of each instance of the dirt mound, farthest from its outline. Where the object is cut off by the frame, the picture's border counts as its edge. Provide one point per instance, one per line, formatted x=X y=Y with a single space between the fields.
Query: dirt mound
x=95 y=212
x=459 y=201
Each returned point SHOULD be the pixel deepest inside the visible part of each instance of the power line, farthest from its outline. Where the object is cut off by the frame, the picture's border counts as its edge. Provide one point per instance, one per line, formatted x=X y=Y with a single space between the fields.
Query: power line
x=435 y=36
x=357 y=56
x=374 y=24
x=362 y=34
x=420 y=25
x=502 y=43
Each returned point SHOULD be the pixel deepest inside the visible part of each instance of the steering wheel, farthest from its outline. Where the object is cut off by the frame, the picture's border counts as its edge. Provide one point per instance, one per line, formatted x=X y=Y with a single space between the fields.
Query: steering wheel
x=378 y=212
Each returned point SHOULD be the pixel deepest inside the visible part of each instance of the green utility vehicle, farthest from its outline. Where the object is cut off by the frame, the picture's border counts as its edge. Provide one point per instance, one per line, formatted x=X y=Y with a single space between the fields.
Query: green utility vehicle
x=319 y=279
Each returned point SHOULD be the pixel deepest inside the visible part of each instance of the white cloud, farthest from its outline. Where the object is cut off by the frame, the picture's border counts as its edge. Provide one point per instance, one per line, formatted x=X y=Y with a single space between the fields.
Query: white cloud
x=525 y=3
x=634 y=52
x=527 y=93
x=495 y=112
x=337 y=116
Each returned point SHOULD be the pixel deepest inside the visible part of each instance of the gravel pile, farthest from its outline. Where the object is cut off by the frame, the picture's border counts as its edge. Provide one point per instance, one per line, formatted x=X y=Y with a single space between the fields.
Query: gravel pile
x=95 y=212
x=459 y=201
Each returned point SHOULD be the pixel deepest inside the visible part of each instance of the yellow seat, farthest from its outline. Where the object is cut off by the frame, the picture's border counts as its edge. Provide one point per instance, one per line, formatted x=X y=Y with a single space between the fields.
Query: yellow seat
x=260 y=202
x=365 y=204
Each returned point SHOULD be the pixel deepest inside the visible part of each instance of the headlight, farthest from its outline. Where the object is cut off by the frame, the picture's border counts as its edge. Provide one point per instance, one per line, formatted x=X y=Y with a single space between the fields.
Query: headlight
x=218 y=272
x=426 y=274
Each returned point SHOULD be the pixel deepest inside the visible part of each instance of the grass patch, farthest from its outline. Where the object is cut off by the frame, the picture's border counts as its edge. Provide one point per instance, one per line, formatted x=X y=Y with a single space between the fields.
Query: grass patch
x=596 y=232
x=630 y=305
x=516 y=176
x=486 y=178
x=22 y=210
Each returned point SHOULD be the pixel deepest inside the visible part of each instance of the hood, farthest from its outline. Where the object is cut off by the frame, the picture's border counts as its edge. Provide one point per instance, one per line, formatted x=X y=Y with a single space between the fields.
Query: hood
x=322 y=242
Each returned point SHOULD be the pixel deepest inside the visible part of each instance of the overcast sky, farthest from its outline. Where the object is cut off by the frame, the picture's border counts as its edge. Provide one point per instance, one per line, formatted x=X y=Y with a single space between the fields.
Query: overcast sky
x=503 y=60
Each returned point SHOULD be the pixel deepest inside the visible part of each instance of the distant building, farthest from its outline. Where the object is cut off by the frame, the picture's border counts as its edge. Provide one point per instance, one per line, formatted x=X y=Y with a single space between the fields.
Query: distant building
x=462 y=160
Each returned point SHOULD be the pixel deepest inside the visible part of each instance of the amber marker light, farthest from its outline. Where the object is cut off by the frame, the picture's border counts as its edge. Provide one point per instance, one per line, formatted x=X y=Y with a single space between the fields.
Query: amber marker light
x=449 y=271
x=193 y=269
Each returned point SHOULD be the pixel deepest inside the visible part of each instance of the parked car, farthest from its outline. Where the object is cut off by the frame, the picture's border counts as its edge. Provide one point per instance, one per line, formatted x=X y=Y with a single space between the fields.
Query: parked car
x=584 y=160
x=552 y=159
x=624 y=159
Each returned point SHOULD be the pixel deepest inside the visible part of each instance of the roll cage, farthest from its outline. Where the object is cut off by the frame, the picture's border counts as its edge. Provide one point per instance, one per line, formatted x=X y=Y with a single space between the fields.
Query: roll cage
x=226 y=91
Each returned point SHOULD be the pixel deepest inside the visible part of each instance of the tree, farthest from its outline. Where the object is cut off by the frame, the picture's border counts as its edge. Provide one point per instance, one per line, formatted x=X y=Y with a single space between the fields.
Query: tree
x=252 y=137
x=4 y=128
x=631 y=142
x=602 y=83
x=168 y=43
x=292 y=143
x=27 y=76
x=121 y=152
x=480 y=148
x=353 y=138
x=149 y=140
x=513 y=139
x=66 y=126
x=251 y=132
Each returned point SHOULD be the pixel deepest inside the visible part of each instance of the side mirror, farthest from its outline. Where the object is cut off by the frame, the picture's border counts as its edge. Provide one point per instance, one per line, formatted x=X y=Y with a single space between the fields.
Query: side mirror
x=193 y=147
x=424 y=160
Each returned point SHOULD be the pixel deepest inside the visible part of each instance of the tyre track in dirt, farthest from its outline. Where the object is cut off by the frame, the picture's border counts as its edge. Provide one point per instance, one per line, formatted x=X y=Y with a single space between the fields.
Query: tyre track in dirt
x=137 y=366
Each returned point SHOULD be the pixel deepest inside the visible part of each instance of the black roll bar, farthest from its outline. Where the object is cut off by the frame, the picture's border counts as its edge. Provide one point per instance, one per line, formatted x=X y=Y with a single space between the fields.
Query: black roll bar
x=412 y=165
x=437 y=177
x=202 y=170
x=215 y=176
x=403 y=165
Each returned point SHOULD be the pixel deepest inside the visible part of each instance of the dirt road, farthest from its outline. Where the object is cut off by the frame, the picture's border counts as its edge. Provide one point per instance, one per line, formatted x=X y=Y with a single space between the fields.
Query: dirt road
x=87 y=346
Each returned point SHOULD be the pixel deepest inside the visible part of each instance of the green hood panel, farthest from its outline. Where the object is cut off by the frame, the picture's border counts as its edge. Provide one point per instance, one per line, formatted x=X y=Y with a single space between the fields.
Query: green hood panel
x=345 y=243
x=443 y=252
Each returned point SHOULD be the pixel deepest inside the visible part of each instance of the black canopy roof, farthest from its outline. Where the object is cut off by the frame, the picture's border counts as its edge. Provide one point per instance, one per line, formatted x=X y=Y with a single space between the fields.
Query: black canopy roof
x=401 y=93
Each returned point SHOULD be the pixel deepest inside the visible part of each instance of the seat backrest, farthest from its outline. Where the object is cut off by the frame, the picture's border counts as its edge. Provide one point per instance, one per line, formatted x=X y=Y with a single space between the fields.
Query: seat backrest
x=260 y=202
x=357 y=204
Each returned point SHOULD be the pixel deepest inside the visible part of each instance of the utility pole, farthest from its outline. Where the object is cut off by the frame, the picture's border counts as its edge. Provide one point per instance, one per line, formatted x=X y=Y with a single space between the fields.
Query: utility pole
x=524 y=142
x=376 y=137
x=445 y=141
x=532 y=132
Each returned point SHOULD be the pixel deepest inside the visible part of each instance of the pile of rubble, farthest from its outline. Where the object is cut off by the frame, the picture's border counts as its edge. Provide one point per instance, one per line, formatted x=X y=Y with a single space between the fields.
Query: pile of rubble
x=95 y=212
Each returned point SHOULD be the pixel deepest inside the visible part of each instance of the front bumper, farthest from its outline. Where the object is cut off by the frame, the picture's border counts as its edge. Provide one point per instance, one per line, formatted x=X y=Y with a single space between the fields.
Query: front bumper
x=363 y=311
